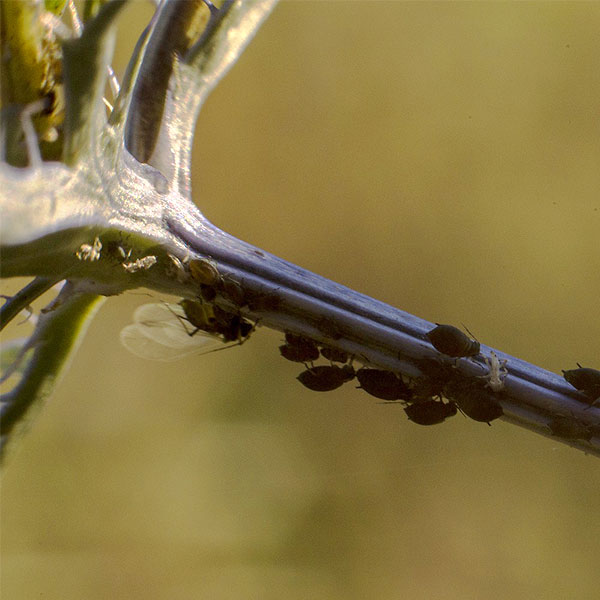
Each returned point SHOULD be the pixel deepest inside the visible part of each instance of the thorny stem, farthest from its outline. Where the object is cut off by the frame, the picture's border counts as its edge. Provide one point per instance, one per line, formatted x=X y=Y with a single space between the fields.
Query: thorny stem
x=286 y=297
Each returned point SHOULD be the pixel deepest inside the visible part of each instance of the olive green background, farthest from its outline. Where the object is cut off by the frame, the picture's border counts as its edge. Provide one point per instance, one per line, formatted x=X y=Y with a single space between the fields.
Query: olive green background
x=442 y=158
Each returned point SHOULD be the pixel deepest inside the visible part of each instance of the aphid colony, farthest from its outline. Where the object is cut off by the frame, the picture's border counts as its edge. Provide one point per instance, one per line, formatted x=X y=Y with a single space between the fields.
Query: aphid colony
x=427 y=400
x=162 y=331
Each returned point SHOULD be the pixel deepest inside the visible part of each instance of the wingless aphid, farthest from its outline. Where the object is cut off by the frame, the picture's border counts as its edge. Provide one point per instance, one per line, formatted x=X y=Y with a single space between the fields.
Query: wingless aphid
x=326 y=378
x=383 y=384
x=585 y=380
x=334 y=355
x=299 y=349
x=473 y=400
x=430 y=412
x=204 y=270
x=436 y=375
x=570 y=428
x=451 y=341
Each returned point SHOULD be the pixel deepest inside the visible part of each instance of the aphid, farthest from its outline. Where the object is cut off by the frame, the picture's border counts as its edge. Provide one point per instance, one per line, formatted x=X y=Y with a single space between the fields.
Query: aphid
x=570 y=428
x=90 y=252
x=116 y=252
x=124 y=254
x=326 y=378
x=383 y=384
x=451 y=341
x=157 y=333
x=473 y=401
x=329 y=328
x=430 y=412
x=200 y=315
x=175 y=267
x=233 y=291
x=334 y=355
x=497 y=370
x=140 y=264
x=231 y=326
x=297 y=340
x=436 y=375
x=207 y=292
x=298 y=353
x=204 y=271
x=262 y=302
x=299 y=349
x=585 y=380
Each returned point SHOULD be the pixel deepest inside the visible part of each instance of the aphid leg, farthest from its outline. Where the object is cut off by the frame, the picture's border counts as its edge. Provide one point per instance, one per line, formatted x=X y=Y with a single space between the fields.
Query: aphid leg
x=183 y=321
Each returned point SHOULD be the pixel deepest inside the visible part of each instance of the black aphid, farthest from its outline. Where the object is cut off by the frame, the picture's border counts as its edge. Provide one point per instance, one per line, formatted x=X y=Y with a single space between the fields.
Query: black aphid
x=473 y=401
x=231 y=326
x=299 y=353
x=430 y=412
x=585 y=380
x=436 y=375
x=451 y=341
x=207 y=292
x=570 y=428
x=383 y=384
x=299 y=349
x=334 y=355
x=233 y=291
x=326 y=378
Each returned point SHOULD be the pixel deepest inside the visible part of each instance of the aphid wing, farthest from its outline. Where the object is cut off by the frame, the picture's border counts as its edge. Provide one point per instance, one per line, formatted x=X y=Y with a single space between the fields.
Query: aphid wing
x=159 y=322
x=138 y=343
x=157 y=312
x=158 y=334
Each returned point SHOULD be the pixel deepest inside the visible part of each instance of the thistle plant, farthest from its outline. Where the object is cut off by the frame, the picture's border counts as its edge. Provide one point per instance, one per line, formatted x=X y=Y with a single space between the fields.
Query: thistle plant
x=95 y=196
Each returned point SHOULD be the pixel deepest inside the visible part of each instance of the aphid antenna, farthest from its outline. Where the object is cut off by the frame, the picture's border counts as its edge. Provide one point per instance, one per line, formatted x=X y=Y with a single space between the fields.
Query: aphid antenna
x=462 y=412
x=469 y=332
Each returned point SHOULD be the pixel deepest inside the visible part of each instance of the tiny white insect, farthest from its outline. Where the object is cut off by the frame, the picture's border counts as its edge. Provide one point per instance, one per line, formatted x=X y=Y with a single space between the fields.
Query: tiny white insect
x=124 y=255
x=141 y=263
x=158 y=333
x=497 y=370
x=90 y=252
x=177 y=268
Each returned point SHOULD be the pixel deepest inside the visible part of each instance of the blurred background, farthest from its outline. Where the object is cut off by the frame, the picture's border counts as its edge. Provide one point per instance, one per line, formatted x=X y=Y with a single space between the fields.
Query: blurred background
x=441 y=157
